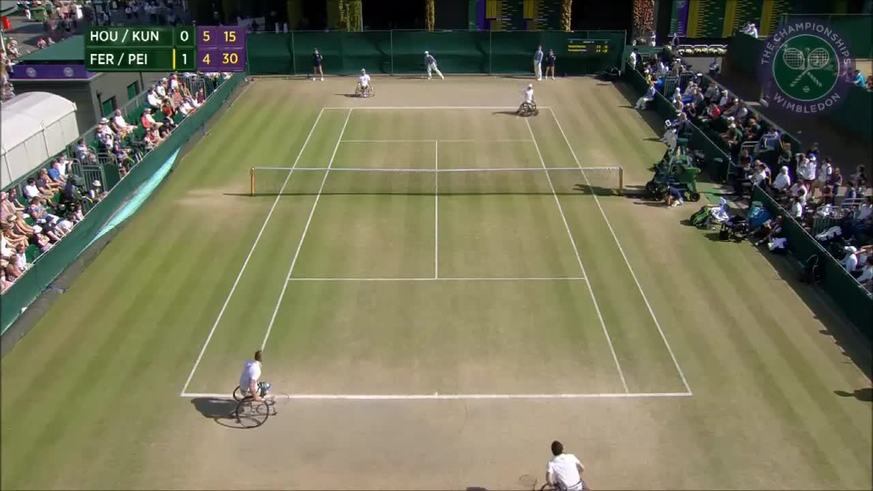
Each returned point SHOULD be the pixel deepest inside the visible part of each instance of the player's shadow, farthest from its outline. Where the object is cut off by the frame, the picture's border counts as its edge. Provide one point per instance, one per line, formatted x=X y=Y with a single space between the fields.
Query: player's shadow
x=865 y=395
x=218 y=410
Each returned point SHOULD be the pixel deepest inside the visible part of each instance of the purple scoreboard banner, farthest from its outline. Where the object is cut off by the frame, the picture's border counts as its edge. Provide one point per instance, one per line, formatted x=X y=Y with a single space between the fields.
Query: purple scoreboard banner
x=221 y=48
x=38 y=71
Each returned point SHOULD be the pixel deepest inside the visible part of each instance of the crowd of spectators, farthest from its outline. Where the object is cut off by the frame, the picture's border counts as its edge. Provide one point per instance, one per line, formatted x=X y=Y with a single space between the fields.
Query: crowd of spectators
x=39 y=212
x=836 y=208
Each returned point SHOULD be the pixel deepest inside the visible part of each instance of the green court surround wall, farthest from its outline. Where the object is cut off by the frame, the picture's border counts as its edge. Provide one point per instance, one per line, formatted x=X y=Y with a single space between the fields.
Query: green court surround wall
x=402 y=51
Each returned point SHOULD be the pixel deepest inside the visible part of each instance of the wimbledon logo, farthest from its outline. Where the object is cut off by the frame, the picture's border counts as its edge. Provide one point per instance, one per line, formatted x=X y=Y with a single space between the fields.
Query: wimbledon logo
x=800 y=67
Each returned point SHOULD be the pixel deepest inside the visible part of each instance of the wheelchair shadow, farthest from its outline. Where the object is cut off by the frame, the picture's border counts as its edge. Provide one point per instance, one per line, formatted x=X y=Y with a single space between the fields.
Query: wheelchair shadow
x=218 y=410
x=506 y=113
x=348 y=95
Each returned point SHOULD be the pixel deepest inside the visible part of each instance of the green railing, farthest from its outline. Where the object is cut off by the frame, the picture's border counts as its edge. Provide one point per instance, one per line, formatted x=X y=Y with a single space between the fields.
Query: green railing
x=51 y=264
x=402 y=51
x=851 y=298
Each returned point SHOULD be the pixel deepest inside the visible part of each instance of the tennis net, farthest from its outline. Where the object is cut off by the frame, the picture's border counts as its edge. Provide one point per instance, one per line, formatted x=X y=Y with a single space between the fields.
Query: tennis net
x=536 y=180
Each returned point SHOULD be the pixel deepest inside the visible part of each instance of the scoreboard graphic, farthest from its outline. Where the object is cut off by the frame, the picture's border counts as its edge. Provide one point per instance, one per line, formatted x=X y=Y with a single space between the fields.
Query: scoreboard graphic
x=165 y=49
x=588 y=47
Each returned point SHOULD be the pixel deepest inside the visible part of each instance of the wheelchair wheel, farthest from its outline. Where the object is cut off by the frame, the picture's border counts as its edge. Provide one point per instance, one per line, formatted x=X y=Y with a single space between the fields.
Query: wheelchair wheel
x=694 y=196
x=251 y=414
x=237 y=394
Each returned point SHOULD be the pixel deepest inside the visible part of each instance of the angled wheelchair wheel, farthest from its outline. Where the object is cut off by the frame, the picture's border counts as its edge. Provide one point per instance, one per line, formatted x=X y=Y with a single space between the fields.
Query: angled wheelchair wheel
x=252 y=414
x=237 y=394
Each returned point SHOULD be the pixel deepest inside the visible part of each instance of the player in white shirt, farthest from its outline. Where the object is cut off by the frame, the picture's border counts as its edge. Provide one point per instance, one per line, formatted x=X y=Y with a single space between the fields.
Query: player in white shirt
x=528 y=103
x=250 y=379
x=431 y=64
x=564 y=471
x=363 y=88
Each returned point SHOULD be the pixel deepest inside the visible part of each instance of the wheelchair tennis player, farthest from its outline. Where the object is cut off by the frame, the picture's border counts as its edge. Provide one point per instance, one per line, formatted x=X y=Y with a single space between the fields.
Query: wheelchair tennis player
x=250 y=383
x=528 y=105
x=364 y=87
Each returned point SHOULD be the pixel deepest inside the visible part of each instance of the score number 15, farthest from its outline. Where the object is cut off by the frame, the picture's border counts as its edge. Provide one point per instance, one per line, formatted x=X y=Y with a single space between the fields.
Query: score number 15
x=229 y=36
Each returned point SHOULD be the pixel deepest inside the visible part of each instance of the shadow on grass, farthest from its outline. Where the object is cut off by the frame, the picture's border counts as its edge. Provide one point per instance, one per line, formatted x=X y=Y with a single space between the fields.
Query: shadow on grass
x=852 y=342
x=865 y=395
x=507 y=113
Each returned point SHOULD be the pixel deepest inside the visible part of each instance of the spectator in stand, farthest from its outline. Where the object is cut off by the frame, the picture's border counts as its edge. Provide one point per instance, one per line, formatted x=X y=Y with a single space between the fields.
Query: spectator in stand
x=759 y=176
x=84 y=154
x=806 y=169
x=859 y=80
x=148 y=121
x=152 y=138
x=31 y=190
x=153 y=99
x=858 y=180
x=825 y=170
x=45 y=184
x=866 y=276
x=8 y=207
x=161 y=88
x=850 y=260
x=782 y=182
x=796 y=208
x=648 y=97
x=21 y=258
x=632 y=58
x=12 y=237
x=800 y=191
x=169 y=112
x=120 y=125
x=105 y=135
x=865 y=211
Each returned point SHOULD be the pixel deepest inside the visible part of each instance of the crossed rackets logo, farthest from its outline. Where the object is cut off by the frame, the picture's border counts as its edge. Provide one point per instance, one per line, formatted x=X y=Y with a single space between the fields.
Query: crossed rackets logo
x=805 y=68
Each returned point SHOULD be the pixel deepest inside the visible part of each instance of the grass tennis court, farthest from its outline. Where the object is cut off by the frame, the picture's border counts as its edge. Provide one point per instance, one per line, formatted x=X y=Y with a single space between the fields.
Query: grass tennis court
x=441 y=288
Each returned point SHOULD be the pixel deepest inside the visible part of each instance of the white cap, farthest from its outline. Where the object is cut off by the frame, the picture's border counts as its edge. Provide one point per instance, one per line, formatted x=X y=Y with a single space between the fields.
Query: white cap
x=529 y=86
x=363 y=70
x=425 y=52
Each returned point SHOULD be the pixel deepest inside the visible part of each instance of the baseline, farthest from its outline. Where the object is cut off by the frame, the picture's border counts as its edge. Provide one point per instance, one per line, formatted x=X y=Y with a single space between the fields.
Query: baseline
x=453 y=397
x=423 y=108
x=623 y=255
x=444 y=278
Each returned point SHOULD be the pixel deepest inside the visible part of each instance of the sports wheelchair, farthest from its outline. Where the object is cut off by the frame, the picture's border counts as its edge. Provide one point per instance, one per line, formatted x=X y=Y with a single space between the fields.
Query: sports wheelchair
x=528 y=109
x=364 y=91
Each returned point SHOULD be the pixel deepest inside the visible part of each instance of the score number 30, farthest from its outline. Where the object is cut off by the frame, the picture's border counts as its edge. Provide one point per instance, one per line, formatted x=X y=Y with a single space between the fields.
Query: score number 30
x=226 y=59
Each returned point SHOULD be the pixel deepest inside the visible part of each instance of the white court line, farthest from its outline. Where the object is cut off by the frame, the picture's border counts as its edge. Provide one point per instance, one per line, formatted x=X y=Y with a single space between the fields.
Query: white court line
x=431 y=169
x=444 y=140
x=303 y=235
x=249 y=256
x=451 y=397
x=623 y=255
x=436 y=210
x=444 y=278
x=578 y=258
x=419 y=108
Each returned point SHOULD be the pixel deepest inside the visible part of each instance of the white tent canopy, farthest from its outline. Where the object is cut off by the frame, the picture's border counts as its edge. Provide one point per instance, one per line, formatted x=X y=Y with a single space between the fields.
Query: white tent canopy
x=35 y=126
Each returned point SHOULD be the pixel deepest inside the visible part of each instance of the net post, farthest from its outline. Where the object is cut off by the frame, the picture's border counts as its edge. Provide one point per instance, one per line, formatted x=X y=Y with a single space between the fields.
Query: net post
x=252 y=181
x=620 y=181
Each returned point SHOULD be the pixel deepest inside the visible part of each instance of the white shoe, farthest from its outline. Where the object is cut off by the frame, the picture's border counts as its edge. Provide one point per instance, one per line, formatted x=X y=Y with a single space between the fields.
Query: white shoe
x=322 y=79
x=553 y=78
